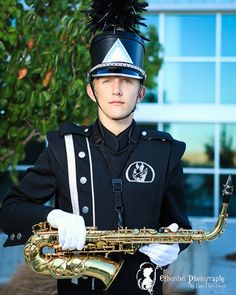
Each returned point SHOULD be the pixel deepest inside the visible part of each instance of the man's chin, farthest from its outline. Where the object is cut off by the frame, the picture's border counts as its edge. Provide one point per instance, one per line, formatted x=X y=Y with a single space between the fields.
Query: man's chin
x=123 y=117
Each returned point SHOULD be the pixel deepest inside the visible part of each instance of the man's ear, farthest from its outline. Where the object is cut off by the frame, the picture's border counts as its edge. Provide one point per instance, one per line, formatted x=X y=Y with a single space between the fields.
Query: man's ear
x=90 y=92
x=141 y=93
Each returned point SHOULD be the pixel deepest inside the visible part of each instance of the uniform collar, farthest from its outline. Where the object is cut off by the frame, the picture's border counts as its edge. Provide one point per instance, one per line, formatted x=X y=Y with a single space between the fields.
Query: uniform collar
x=133 y=136
x=70 y=128
x=113 y=142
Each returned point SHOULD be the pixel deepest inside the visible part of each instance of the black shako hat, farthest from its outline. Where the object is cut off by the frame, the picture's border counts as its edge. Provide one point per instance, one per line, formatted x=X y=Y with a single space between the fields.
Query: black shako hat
x=119 y=49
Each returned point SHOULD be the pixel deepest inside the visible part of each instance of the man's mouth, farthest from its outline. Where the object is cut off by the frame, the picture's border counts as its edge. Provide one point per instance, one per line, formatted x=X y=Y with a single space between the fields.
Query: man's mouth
x=116 y=102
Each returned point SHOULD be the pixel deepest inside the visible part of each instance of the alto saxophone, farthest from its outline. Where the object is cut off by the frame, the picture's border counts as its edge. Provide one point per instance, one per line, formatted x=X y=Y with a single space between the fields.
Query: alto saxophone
x=44 y=255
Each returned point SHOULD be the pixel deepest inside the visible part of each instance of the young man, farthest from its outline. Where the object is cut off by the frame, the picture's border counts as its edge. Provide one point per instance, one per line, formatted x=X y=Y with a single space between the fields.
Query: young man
x=107 y=175
x=117 y=97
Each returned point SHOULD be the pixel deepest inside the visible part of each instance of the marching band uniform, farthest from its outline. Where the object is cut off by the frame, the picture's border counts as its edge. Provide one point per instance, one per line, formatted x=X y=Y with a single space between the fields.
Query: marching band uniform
x=152 y=199
x=134 y=179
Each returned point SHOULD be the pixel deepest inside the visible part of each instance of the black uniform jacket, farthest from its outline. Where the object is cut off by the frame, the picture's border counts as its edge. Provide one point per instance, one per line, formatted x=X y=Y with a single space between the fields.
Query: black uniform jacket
x=152 y=180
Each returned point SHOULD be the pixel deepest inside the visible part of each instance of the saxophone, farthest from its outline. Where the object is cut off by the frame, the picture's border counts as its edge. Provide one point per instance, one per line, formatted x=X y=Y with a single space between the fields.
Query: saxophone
x=44 y=255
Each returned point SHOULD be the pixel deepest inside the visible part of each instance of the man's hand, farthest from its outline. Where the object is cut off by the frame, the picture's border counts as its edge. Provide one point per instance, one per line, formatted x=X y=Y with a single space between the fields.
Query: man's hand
x=162 y=254
x=71 y=229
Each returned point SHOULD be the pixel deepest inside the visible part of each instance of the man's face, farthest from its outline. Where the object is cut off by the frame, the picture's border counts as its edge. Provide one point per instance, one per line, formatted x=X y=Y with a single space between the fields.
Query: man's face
x=117 y=96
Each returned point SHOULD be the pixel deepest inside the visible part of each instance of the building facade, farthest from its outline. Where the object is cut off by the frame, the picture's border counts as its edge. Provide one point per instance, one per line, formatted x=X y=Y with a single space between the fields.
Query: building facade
x=196 y=96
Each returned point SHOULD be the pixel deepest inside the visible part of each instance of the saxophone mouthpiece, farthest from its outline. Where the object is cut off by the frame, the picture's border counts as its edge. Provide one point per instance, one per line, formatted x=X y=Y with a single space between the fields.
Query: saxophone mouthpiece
x=228 y=189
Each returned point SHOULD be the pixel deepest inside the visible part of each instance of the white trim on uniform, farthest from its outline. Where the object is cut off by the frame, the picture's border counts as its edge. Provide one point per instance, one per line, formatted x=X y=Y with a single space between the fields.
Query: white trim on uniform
x=91 y=177
x=70 y=153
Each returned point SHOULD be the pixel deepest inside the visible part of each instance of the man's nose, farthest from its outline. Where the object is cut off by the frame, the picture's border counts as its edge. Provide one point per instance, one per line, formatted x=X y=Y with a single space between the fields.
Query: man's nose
x=116 y=87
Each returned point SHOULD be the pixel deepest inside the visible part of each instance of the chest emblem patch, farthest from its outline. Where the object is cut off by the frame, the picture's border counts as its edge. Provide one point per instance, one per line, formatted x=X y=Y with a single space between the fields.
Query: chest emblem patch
x=140 y=172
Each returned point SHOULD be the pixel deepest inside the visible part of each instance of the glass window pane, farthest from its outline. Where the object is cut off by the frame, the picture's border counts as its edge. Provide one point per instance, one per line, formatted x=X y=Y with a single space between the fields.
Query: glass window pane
x=189 y=82
x=199 y=194
x=189 y=35
x=228 y=76
x=232 y=205
x=199 y=139
x=228 y=47
x=228 y=146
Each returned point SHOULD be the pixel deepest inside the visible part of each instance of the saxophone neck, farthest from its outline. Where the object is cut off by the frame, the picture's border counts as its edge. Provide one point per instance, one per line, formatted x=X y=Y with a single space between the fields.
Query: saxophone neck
x=227 y=193
x=220 y=224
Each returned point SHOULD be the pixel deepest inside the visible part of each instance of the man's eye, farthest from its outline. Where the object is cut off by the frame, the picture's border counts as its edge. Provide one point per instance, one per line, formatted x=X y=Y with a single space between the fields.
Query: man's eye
x=105 y=81
x=126 y=81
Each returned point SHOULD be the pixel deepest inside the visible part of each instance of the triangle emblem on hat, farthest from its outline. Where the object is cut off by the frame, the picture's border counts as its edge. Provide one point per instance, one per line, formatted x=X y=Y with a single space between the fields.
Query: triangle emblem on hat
x=117 y=53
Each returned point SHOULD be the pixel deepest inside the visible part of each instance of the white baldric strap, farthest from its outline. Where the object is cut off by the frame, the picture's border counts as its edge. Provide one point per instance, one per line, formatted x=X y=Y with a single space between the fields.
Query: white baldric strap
x=91 y=176
x=70 y=152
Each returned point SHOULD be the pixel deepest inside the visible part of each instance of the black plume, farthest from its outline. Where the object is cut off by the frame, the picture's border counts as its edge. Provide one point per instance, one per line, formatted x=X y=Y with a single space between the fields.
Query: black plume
x=108 y=15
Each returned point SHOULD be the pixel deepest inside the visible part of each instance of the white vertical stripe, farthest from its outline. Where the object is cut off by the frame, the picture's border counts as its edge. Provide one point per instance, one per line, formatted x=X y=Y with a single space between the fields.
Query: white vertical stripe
x=70 y=152
x=91 y=177
x=92 y=192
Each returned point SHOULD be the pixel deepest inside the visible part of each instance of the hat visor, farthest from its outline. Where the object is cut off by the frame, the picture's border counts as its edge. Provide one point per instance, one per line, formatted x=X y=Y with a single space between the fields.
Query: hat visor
x=116 y=75
x=117 y=71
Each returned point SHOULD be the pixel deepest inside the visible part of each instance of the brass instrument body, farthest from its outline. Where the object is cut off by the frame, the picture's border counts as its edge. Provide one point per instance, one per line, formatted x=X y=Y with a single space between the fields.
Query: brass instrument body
x=93 y=260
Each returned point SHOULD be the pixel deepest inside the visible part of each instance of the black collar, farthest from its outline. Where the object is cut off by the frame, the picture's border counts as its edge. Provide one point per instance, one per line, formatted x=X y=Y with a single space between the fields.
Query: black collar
x=116 y=143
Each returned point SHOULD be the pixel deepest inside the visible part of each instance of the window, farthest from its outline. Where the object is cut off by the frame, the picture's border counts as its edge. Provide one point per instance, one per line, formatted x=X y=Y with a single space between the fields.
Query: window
x=199 y=139
x=199 y=69
x=228 y=76
x=199 y=193
x=189 y=35
x=228 y=42
x=187 y=82
x=228 y=146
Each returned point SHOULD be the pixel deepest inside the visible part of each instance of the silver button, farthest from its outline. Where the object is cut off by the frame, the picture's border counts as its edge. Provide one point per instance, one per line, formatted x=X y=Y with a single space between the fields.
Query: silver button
x=19 y=235
x=81 y=155
x=144 y=133
x=163 y=139
x=86 y=130
x=83 y=180
x=12 y=237
x=85 y=209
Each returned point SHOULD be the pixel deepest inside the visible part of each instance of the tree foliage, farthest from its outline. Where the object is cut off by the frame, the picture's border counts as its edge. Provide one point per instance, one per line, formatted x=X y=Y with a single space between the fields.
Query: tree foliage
x=152 y=61
x=44 y=60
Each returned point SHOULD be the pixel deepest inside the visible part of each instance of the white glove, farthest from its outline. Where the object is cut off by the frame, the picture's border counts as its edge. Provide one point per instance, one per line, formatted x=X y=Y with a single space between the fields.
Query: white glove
x=162 y=254
x=71 y=229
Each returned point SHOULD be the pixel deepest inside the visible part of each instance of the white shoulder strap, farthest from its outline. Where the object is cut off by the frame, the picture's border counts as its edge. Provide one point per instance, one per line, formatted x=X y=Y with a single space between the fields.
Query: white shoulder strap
x=70 y=152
